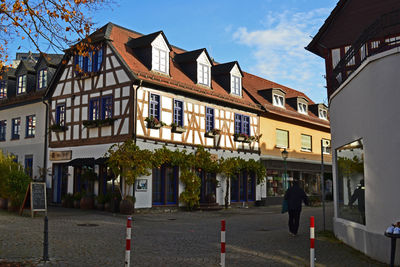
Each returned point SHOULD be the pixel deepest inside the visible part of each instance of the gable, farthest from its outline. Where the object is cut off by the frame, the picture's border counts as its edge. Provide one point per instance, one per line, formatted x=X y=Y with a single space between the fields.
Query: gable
x=160 y=43
x=203 y=59
x=236 y=71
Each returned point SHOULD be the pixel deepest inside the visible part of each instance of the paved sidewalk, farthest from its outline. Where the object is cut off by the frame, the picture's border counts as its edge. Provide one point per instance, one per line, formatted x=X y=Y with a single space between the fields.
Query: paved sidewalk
x=254 y=237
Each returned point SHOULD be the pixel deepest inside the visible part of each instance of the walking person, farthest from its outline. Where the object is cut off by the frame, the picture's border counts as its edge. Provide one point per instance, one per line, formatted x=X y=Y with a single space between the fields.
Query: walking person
x=294 y=197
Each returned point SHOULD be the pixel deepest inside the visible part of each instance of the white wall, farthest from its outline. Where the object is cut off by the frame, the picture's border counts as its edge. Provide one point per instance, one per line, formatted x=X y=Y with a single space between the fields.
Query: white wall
x=26 y=146
x=366 y=106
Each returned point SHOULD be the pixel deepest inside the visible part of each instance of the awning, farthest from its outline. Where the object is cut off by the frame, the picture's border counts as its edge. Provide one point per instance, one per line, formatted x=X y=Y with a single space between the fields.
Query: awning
x=101 y=161
x=79 y=162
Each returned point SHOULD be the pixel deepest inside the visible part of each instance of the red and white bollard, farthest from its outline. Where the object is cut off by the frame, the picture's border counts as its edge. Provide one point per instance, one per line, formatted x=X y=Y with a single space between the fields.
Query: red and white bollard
x=128 y=242
x=223 y=243
x=312 y=242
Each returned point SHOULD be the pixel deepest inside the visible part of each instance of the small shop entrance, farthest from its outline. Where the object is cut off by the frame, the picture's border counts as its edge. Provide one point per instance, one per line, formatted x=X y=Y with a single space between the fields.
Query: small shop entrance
x=60 y=182
x=243 y=187
x=165 y=185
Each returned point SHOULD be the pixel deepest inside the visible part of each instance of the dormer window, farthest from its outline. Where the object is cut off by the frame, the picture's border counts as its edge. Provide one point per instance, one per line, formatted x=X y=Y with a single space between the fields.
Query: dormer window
x=236 y=85
x=278 y=100
x=90 y=62
x=203 y=74
x=3 y=89
x=302 y=108
x=159 y=60
x=323 y=114
x=42 y=79
x=21 y=84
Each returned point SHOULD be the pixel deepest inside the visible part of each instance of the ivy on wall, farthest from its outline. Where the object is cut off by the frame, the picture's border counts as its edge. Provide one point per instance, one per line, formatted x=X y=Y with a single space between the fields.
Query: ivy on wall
x=129 y=161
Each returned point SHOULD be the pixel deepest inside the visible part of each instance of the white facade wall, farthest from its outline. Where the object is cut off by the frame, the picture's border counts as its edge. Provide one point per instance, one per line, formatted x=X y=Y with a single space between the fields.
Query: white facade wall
x=366 y=106
x=26 y=146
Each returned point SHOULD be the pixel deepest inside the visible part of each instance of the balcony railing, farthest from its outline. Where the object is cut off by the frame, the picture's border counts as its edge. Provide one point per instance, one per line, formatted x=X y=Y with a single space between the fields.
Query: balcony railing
x=377 y=38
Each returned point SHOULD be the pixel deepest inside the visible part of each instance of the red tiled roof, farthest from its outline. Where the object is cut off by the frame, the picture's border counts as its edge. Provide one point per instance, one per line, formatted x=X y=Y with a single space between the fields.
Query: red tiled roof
x=178 y=80
x=253 y=84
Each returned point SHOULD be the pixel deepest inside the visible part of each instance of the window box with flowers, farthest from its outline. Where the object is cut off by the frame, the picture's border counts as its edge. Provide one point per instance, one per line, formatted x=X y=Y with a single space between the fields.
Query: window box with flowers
x=175 y=128
x=154 y=123
x=241 y=137
x=214 y=132
x=58 y=128
x=98 y=123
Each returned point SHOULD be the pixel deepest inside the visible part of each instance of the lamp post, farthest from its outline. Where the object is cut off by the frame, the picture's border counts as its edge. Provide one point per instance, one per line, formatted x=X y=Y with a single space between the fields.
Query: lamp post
x=285 y=155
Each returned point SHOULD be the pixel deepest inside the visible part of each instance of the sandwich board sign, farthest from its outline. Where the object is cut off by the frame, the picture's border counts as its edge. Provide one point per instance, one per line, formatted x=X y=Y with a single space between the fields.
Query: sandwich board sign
x=36 y=195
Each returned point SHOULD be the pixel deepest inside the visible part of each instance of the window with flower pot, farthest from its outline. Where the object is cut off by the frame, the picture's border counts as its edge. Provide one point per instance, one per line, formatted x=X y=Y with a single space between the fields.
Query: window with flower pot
x=154 y=106
x=242 y=127
x=209 y=119
x=101 y=108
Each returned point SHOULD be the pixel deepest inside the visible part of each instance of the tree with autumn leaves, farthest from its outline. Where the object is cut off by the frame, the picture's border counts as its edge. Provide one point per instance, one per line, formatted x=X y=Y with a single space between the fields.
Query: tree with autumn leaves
x=57 y=23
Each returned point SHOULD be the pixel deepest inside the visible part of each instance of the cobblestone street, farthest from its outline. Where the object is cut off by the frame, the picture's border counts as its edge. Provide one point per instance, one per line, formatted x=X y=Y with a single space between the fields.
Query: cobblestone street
x=254 y=237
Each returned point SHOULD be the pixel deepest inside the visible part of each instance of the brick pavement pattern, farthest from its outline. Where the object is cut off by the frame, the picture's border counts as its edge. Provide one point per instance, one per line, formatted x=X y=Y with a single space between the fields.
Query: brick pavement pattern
x=254 y=237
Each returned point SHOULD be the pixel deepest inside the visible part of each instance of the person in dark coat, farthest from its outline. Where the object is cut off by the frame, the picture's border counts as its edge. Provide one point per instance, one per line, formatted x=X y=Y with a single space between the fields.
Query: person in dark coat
x=359 y=194
x=295 y=196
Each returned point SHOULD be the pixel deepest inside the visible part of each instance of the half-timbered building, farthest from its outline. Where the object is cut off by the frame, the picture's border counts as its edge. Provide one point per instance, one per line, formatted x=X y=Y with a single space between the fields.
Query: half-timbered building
x=139 y=86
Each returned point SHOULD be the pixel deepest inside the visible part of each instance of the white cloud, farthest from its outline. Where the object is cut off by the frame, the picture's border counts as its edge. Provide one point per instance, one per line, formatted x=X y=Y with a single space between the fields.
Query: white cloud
x=279 y=54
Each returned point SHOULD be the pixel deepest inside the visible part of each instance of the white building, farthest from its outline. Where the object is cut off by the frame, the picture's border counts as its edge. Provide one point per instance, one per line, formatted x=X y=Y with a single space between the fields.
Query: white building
x=23 y=113
x=359 y=42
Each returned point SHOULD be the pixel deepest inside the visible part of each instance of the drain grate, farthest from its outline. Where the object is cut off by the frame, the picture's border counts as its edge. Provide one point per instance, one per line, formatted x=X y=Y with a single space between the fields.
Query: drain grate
x=87 y=224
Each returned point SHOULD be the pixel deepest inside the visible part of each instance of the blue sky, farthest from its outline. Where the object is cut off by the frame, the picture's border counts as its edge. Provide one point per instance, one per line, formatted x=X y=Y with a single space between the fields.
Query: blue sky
x=266 y=37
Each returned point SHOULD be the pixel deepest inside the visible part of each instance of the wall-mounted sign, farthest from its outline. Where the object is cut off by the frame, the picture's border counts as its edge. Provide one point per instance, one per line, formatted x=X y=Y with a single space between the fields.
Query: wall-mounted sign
x=60 y=155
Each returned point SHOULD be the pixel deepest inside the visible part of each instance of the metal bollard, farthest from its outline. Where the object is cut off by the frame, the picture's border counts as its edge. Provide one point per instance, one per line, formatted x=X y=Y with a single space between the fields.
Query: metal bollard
x=312 y=242
x=223 y=243
x=46 y=240
x=128 y=242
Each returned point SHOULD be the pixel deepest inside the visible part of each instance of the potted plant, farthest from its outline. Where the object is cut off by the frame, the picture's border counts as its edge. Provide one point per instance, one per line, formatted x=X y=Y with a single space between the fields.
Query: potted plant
x=58 y=128
x=77 y=199
x=100 y=202
x=154 y=123
x=175 y=128
x=67 y=201
x=240 y=137
x=214 y=132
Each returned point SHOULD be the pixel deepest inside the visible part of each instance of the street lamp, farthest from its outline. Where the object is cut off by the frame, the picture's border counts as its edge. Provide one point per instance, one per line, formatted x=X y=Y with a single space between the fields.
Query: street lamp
x=285 y=155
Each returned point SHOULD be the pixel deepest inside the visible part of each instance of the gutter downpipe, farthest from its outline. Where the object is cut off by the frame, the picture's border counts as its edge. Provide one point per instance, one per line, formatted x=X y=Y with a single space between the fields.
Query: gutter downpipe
x=45 y=140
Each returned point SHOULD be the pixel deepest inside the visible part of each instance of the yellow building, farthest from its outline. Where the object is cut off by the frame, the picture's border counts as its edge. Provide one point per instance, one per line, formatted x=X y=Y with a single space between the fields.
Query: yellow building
x=292 y=122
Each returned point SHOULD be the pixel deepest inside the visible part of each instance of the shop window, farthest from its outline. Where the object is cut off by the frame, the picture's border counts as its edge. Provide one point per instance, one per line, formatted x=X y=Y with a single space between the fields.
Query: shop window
x=165 y=185
x=350 y=182
x=208 y=186
x=282 y=138
x=243 y=187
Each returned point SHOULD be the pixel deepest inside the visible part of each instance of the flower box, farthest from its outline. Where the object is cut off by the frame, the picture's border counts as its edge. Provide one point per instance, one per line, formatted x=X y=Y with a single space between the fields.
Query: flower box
x=239 y=138
x=212 y=133
x=152 y=125
x=178 y=129
x=58 y=128
x=98 y=123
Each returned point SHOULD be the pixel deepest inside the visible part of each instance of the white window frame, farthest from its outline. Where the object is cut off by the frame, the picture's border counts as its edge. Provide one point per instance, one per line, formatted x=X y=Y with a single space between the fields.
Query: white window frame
x=276 y=138
x=323 y=114
x=278 y=100
x=302 y=108
x=352 y=62
x=303 y=148
x=156 y=64
x=21 y=84
x=236 y=85
x=203 y=74
x=335 y=57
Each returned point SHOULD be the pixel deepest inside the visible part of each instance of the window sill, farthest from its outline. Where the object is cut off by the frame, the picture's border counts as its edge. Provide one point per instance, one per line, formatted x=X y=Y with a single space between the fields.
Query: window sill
x=178 y=129
x=14 y=138
x=29 y=137
x=281 y=147
x=98 y=123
